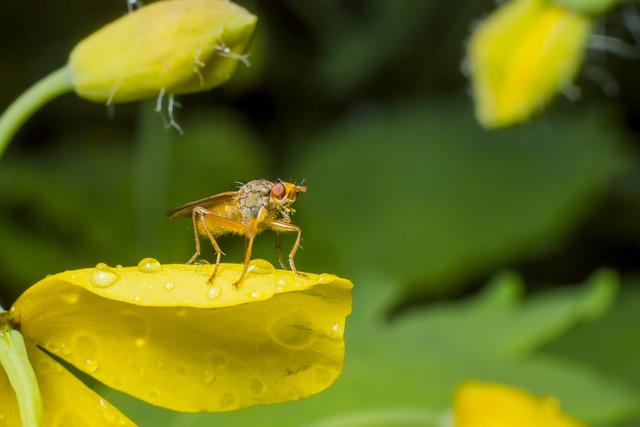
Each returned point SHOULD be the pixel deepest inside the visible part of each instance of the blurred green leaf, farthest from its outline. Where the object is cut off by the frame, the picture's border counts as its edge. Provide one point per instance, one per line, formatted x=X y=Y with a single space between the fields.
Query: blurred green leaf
x=610 y=344
x=421 y=193
x=415 y=362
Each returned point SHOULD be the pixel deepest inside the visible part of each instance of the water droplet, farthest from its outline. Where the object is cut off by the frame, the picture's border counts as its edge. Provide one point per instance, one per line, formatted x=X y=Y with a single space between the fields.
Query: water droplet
x=73 y=277
x=91 y=365
x=327 y=278
x=108 y=415
x=49 y=366
x=153 y=394
x=217 y=358
x=228 y=399
x=292 y=331
x=103 y=276
x=85 y=346
x=169 y=286
x=135 y=327
x=52 y=346
x=256 y=386
x=256 y=294
x=201 y=265
x=213 y=292
x=137 y=298
x=135 y=368
x=70 y=296
x=180 y=311
x=149 y=265
x=208 y=377
x=65 y=349
x=325 y=375
x=260 y=266
x=336 y=328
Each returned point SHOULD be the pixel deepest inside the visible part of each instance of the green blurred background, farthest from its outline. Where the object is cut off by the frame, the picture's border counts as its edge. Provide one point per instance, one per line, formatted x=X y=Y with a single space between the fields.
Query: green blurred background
x=367 y=102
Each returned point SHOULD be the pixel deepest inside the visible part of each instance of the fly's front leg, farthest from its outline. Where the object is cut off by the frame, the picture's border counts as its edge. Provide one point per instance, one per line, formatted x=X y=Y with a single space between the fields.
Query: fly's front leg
x=288 y=227
x=247 y=259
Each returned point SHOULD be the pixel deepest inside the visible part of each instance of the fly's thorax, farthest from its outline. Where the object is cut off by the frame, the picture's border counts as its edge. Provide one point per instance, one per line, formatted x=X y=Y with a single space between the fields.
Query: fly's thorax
x=252 y=196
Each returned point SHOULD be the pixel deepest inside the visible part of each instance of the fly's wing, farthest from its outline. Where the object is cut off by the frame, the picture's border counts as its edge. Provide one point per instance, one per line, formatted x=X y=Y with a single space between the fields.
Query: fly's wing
x=210 y=203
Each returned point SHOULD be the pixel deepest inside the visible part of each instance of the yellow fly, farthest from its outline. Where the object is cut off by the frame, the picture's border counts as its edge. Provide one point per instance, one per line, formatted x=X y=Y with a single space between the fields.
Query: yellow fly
x=255 y=207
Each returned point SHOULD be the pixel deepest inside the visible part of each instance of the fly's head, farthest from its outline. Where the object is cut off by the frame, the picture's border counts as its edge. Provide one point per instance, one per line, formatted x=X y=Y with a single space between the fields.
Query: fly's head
x=282 y=196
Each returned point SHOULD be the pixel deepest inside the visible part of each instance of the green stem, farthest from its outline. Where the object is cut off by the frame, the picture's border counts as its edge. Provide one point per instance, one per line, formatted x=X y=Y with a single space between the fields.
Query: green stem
x=14 y=360
x=29 y=102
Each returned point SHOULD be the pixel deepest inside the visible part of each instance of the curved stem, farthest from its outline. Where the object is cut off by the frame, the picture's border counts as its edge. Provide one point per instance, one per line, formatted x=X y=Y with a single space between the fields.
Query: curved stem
x=15 y=362
x=29 y=102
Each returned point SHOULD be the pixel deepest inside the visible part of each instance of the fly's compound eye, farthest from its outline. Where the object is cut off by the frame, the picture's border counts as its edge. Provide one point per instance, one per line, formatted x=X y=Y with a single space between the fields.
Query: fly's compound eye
x=279 y=191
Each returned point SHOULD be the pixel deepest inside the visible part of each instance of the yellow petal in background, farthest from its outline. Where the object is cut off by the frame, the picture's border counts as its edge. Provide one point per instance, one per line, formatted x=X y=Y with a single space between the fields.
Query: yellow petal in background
x=66 y=400
x=478 y=404
x=163 y=334
x=174 y=46
x=522 y=56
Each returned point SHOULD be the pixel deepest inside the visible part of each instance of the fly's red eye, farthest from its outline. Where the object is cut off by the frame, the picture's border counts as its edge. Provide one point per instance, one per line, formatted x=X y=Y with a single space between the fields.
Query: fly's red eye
x=279 y=191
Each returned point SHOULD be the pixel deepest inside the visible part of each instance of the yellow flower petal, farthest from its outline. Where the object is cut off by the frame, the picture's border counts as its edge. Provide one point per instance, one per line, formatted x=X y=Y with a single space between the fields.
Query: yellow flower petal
x=9 y=412
x=521 y=56
x=479 y=404
x=66 y=400
x=162 y=333
x=175 y=46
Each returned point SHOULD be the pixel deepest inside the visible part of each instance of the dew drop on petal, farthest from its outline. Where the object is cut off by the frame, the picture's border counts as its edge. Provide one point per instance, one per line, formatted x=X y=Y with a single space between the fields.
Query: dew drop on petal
x=149 y=265
x=213 y=292
x=108 y=415
x=86 y=347
x=91 y=365
x=137 y=298
x=136 y=327
x=217 y=358
x=70 y=296
x=103 y=276
x=256 y=294
x=52 y=346
x=260 y=266
x=208 y=377
x=327 y=278
x=228 y=399
x=256 y=386
x=169 y=286
x=294 y=332
x=153 y=394
x=180 y=311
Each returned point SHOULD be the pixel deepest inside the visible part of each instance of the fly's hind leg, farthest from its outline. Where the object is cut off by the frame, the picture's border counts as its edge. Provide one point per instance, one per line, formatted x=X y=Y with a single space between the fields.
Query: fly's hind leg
x=201 y=213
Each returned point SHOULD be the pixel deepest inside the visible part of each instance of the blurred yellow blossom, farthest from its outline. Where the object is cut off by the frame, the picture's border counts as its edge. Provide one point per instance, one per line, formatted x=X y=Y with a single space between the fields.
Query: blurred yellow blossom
x=164 y=334
x=521 y=56
x=478 y=404
x=170 y=46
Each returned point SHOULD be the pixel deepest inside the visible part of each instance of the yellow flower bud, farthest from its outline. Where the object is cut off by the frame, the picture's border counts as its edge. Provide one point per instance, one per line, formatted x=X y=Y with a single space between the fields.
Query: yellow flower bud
x=171 y=46
x=521 y=56
x=479 y=404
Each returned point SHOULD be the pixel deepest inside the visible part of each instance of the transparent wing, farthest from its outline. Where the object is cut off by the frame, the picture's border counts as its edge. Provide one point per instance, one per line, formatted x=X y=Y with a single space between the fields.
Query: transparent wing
x=210 y=203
